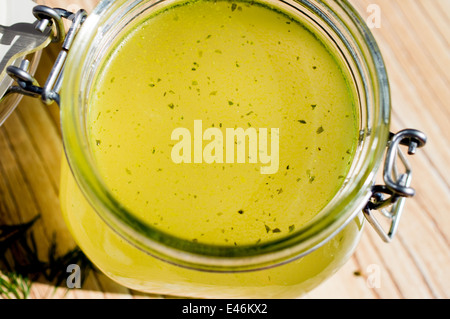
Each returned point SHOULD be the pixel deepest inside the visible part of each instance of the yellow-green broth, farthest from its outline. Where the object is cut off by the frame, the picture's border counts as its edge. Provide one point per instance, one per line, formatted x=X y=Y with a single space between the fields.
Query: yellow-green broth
x=231 y=65
x=226 y=66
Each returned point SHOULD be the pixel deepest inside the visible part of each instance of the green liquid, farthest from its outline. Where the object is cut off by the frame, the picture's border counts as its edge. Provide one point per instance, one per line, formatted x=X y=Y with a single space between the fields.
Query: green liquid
x=232 y=65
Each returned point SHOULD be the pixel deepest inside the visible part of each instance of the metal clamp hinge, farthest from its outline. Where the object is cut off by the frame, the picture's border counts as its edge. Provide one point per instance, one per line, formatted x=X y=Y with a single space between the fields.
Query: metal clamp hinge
x=389 y=199
x=27 y=84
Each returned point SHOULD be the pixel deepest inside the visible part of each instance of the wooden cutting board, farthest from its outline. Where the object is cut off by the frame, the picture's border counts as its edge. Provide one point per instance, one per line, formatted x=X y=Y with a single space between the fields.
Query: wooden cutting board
x=414 y=37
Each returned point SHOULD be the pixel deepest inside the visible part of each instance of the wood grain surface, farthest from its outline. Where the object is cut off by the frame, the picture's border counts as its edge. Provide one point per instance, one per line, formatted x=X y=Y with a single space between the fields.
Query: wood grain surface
x=414 y=37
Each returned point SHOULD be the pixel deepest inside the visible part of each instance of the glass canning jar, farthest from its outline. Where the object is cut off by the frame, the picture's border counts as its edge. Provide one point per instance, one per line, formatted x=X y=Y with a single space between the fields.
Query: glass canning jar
x=142 y=257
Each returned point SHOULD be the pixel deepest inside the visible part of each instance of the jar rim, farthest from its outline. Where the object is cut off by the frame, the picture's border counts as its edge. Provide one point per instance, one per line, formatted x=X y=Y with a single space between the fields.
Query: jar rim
x=342 y=19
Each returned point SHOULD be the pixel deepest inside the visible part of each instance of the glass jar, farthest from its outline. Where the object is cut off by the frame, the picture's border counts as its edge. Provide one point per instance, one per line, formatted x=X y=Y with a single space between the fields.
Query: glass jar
x=142 y=257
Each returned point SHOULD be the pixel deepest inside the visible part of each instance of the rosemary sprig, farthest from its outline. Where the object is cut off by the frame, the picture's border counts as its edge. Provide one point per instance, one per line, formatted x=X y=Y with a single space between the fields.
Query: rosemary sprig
x=10 y=234
x=18 y=274
x=14 y=286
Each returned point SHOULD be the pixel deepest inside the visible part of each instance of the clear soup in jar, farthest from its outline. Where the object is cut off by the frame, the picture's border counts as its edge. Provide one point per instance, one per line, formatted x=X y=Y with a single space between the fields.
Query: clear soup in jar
x=224 y=123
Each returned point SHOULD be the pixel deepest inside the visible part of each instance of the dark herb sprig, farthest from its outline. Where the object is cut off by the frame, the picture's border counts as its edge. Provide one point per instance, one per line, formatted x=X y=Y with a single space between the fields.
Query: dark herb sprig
x=18 y=274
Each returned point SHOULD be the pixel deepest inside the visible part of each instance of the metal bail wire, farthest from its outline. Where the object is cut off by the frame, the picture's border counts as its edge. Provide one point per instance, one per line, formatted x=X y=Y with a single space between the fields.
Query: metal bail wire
x=27 y=84
x=389 y=199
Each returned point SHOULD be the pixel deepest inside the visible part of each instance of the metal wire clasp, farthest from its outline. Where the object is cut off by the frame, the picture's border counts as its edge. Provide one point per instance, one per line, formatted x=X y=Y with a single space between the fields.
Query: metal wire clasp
x=27 y=84
x=397 y=185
